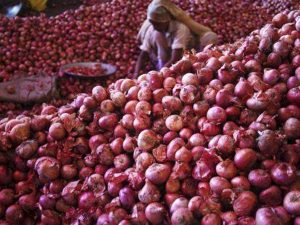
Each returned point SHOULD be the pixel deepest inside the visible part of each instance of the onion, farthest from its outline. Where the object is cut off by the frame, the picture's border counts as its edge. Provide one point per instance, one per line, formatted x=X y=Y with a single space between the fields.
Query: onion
x=283 y=173
x=259 y=178
x=104 y=154
x=145 y=94
x=291 y=203
x=20 y=132
x=169 y=83
x=95 y=141
x=225 y=145
x=271 y=196
x=174 y=123
x=122 y=161
x=14 y=214
x=47 y=168
x=179 y=203
x=158 y=173
x=149 y=193
x=107 y=106
x=171 y=103
x=155 y=212
x=57 y=131
x=258 y=102
x=143 y=161
x=269 y=143
x=244 y=159
x=7 y=197
x=127 y=197
x=27 y=149
x=147 y=139
x=270 y=216
x=155 y=80
x=271 y=77
x=245 y=203
x=226 y=75
x=205 y=75
x=216 y=114
x=291 y=128
x=188 y=94
x=211 y=219
x=47 y=202
x=218 y=184
x=160 y=153
x=69 y=171
x=190 y=79
x=159 y=94
x=108 y=122
x=274 y=60
x=226 y=169
x=182 y=216
x=99 y=93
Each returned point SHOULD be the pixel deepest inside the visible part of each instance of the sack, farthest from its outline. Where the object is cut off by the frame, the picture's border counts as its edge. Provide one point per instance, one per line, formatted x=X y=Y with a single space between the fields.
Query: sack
x=33 y=89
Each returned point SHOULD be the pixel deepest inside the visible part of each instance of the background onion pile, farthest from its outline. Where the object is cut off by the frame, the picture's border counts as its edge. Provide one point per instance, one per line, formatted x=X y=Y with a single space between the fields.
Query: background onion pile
x=104 y=32
x=214 y=139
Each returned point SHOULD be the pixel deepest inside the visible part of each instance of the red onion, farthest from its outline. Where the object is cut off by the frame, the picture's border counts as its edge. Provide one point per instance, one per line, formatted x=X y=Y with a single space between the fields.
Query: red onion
x=169 y=83
x=147 y=139
x=158 y=173
x=271 y=196
x=7 y=197
x=14 y=214
x=99 y=93
x=171 y=103
x=149 y=193
x=271 y=77
x=205 y=75
x=283 y=173
x=155 y=212
x=291 y=128
x=155 y=79
x=188 y=94
x=182 y=216
x=240 y=183
x=211 y=219
x=244 y=159
x=259 y=178
x=174 y=123
x=291 y=202
x=245 y=203
x=216 y=114
x=269 y=143
x=47 y=168
x=226 y=169
x=108 y=122
x=127 y=197
x=218 y=184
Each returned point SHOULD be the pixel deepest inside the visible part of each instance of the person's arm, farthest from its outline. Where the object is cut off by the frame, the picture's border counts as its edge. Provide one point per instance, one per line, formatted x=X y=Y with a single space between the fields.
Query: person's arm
x=143 y=57
x=175 y=56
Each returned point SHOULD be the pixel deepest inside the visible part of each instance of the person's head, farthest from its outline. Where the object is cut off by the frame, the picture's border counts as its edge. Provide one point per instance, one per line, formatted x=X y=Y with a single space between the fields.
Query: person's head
x=159 y=17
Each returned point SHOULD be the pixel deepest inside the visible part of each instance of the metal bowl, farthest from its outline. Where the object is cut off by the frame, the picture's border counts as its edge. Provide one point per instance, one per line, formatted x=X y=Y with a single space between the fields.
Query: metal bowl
x=109 y=69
